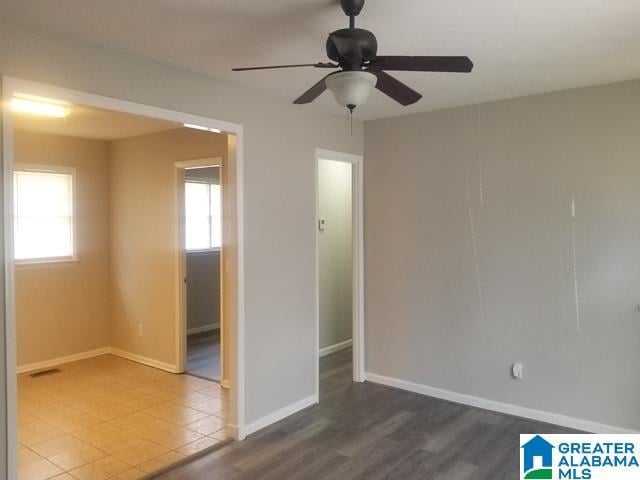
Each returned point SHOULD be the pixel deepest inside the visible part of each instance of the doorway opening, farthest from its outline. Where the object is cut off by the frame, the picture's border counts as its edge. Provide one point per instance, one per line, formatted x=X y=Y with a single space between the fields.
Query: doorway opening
x=91 y=291
x=202 y=229
x=339 y=245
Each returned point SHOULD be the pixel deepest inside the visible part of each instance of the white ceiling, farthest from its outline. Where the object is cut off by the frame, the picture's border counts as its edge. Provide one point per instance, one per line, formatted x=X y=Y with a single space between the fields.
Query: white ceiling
x=93 y=123
x=519 y=47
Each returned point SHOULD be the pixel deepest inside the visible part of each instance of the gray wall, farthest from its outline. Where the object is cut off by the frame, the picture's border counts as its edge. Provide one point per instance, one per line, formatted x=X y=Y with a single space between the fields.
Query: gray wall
x=203 y=289
x=279 y=199
x=335 y=249
x=474 y=259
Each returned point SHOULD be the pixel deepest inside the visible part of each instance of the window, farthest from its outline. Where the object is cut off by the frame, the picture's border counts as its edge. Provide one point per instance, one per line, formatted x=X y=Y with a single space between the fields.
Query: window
x=202 y=216
x=43 y=214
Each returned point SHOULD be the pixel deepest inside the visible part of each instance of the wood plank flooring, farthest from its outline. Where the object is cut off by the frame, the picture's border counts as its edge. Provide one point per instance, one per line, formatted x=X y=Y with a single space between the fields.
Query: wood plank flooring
x=203 y=355
x=369 y=431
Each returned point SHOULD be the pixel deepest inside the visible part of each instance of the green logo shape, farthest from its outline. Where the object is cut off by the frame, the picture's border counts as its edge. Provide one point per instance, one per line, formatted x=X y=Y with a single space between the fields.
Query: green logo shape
x=540 y=474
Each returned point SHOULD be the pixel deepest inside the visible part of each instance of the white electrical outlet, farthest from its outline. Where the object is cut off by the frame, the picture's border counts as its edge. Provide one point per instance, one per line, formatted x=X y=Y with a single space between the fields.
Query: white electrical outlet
x=517 y=371
x=139 y=329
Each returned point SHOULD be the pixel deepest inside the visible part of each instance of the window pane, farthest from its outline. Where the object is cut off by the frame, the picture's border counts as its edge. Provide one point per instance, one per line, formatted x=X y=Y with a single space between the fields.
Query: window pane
x=43 y=215
x=197 y=218
x=42 y=194
x=31 y=231
x=216 y=217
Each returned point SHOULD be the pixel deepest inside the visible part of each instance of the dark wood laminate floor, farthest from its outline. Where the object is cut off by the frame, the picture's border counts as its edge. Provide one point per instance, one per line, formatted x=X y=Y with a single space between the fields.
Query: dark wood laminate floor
x=368 y=431
x=203 y=355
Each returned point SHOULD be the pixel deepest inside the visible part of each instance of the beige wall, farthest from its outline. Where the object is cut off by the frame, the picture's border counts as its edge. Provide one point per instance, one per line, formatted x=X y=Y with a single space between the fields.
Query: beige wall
x=335 y=249
x=4 y=398
x=476 y=257
x=64 y=308
x=229 y=258
x=144 y=236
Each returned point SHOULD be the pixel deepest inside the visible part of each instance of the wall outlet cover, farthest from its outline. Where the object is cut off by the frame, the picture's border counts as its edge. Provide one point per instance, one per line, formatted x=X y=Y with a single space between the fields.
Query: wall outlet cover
x=517 y=371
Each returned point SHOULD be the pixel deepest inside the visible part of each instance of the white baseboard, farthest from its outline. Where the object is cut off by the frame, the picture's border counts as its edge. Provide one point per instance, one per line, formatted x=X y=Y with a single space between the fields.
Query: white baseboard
x=54 y=362
x=240 y=433
x=167 y=367
x=205 y=328
x=335 y=348
x=507 y=408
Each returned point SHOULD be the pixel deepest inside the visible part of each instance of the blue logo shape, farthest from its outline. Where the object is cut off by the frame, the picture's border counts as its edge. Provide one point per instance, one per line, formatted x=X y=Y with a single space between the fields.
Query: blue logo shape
x=538 y=447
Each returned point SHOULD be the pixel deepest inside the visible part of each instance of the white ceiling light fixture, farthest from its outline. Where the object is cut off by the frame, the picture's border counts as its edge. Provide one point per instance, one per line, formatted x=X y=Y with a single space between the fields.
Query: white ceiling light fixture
x=36 y=106
x=200 y=127
x=351 y=88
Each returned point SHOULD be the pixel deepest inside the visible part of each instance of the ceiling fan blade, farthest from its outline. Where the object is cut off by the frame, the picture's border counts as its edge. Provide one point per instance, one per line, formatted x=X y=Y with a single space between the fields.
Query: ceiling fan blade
x=313 y=93
x=395 y=89
x=423 y=64
x=316 y=65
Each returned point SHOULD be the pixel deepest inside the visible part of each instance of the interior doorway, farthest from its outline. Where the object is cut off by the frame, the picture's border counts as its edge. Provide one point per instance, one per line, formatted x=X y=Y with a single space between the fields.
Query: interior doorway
x=201 y=221
x=335 y=238
x=339 y=245
x=97 y=202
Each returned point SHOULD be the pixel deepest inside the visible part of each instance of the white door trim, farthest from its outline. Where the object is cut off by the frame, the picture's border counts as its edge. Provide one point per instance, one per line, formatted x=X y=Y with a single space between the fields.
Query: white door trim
x=12 y=86
x=357 y=162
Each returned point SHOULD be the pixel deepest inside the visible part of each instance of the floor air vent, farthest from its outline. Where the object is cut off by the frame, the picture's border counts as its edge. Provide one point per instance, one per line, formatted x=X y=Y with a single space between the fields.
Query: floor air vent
x=42 y=373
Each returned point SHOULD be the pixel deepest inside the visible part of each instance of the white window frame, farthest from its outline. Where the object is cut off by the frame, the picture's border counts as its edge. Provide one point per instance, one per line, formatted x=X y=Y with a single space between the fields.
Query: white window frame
x=210 y=249
x=55 y=169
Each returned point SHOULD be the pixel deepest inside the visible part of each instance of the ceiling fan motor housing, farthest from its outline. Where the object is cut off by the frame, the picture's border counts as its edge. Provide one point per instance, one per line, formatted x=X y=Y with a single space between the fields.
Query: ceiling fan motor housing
x=362 y=47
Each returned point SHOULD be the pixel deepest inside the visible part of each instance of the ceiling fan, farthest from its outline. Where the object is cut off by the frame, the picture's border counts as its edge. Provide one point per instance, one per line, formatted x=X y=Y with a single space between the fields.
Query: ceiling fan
x=360 y=68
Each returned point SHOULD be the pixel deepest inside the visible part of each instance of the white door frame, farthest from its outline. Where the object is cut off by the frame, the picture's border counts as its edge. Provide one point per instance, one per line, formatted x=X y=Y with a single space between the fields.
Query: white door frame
x=358 y=320
x=181 y=287
x=12 y=86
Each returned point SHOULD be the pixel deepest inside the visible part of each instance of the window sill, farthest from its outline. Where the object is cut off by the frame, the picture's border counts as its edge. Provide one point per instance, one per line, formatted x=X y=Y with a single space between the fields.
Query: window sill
x=203 y=251
x=46 y=262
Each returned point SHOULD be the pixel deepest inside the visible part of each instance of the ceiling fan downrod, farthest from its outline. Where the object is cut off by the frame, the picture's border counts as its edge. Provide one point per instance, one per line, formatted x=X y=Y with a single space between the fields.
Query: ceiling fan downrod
x=352 y=9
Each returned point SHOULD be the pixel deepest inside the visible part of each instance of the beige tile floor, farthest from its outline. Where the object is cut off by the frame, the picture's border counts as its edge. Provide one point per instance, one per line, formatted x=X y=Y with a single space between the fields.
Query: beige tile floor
x=110 y=418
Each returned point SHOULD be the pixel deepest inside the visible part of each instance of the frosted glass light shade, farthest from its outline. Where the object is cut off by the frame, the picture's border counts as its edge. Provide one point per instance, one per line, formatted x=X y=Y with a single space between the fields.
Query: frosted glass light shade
x=351 y=89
